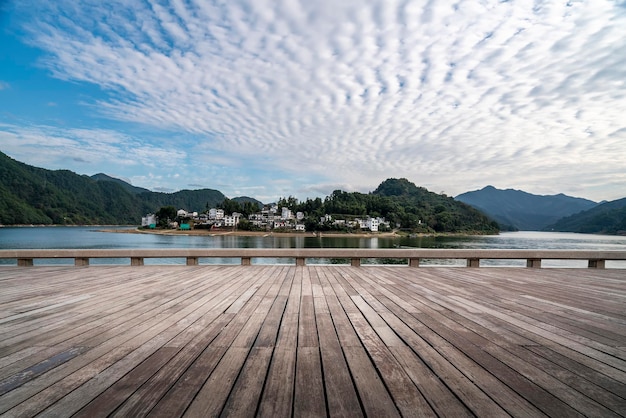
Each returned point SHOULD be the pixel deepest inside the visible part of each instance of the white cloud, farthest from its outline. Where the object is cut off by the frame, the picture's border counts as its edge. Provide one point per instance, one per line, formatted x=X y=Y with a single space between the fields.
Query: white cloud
x=351 y=92
x=85 y=150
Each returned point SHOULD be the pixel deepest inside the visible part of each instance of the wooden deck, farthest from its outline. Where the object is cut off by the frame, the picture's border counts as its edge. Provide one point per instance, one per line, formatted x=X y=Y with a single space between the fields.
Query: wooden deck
x=283 y=341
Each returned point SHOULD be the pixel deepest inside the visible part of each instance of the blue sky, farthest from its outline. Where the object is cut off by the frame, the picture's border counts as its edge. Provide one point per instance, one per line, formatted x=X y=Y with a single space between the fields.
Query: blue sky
x=270 y=98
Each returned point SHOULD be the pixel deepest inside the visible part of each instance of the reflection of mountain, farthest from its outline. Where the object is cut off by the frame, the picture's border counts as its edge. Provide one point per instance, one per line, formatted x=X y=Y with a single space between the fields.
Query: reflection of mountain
x=516 y=209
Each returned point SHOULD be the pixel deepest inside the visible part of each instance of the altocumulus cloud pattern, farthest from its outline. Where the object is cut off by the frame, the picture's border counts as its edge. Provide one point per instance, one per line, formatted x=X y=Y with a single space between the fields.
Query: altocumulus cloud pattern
x=343 y=94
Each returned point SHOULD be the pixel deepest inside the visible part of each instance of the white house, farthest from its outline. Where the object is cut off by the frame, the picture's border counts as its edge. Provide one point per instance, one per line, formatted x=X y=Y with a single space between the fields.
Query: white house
x=232 y=220
x=216 y=213
x=257 y=220
x=369 y=223
x=280 y=224
x=372 y=224
x=149 y=219
x=286 y=214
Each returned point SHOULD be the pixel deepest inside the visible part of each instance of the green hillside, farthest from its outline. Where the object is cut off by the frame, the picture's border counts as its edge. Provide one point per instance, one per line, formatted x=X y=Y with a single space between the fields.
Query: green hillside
x=409 y=204
x=606 y=218
x=128 y=187
x=31 y=195
x=401 y=203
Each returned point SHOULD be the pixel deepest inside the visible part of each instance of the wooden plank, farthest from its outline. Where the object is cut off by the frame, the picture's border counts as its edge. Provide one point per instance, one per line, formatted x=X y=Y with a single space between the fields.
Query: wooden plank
x=568 y=377
x=145 y=398
x=245 y=395
x=547 y=370
x=191 y=343
x=496 y=359
x=106 y=402
x=309 y=399
x=185 y=389
x=377 y=402
x=556 y=388
x=17 y=380
x=341 y=395
x=475 y=386
x=328 y=340
x=307 y=328
x=128 y=358
x=94 y=362
x=278 y=393
x=504 y=327
x=288 y=333
x=181 y=393
x=211 y=398
x=374 y=395
x=71 y=367
x=442 y=400
x=115 y=309
x=438 y=395
x=277 y=396
x=269 y=330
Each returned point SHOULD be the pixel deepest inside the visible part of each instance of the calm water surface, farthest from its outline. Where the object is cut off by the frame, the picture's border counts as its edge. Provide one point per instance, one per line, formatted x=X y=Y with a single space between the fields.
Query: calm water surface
x=94 y=238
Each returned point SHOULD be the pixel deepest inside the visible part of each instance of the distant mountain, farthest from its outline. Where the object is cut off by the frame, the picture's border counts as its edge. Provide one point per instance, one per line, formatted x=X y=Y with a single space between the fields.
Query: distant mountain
x=243 y=199
x=192 y=200
x=125 y=185
x=516 y=209
x=606 y=218
x=31 y=195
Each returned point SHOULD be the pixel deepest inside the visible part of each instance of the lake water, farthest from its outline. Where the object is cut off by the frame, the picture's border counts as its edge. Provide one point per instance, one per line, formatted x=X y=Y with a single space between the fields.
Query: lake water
x=94 y=238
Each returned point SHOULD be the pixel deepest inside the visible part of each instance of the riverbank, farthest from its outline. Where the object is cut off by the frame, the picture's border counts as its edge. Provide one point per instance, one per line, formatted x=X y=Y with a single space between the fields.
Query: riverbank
x=209 y=232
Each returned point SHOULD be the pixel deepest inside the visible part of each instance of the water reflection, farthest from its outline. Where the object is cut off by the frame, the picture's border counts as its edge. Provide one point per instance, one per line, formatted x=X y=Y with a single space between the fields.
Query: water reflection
x=93 y=238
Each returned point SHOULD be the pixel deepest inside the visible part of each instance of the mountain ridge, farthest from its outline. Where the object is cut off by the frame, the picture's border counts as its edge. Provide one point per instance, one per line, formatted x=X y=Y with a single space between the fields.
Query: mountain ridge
x=605 y=218
x=126 y=185
x=520 y=210
x=31 y=195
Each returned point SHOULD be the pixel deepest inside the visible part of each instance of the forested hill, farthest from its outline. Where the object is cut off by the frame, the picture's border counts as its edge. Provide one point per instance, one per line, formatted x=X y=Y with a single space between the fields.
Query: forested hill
x=127 y=186
x=411 y=204
x=401 y=203
x=31 y=195
x=606 y=218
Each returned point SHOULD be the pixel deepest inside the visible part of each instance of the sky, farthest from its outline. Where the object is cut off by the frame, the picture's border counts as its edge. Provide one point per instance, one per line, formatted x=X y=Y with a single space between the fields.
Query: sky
x=277 y=98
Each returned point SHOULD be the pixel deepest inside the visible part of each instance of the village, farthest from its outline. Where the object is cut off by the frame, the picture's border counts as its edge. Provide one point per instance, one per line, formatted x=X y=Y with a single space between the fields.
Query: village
x=270 y=218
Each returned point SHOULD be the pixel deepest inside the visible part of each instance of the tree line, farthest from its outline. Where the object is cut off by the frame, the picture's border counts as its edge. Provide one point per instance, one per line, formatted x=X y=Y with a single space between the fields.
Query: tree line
x=404 y=205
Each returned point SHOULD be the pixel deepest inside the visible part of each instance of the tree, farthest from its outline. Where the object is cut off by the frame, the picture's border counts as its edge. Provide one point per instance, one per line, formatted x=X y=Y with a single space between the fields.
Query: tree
x=165 y=215
x=229 y=206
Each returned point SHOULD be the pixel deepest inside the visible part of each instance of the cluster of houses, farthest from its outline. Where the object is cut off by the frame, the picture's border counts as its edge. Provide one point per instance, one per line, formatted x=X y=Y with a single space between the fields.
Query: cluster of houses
x=269 y=218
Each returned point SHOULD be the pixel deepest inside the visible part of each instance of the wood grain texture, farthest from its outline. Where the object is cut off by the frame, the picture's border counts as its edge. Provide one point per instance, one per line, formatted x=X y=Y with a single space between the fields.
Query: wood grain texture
x=339 y=341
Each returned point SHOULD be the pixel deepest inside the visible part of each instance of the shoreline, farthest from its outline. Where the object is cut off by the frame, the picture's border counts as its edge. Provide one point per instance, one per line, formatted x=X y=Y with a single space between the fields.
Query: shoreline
x=239 y=233
x=133 y=229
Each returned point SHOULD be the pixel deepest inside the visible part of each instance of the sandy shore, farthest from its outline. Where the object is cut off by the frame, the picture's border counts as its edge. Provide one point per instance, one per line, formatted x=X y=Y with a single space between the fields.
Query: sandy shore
x=208 y=232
